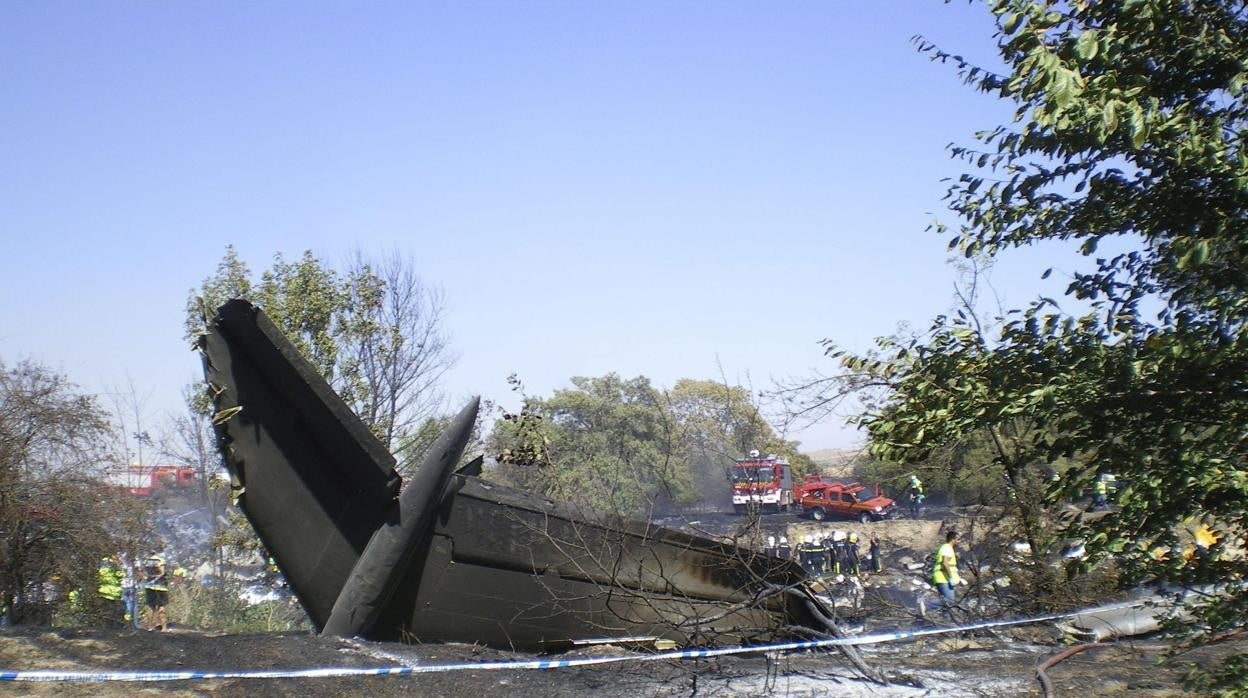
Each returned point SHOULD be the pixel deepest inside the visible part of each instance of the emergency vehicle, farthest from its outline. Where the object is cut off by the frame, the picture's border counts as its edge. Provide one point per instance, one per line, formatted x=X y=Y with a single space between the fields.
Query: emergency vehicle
x=761 y=483
x=142 y=480
x=822 y=497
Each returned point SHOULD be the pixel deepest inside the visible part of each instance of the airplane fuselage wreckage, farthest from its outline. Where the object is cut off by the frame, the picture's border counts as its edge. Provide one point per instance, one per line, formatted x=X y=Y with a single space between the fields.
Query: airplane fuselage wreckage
x=450 y=556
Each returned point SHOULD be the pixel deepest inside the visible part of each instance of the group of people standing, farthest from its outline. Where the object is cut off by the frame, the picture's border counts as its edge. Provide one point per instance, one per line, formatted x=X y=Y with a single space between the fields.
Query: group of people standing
x=839 y=554
x=835 y=554
x=117 y=588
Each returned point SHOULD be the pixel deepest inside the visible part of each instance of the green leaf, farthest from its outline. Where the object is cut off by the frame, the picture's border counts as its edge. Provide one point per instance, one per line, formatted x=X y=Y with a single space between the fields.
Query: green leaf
x=1200 y=253
x=1195 y=256
x=1086 y=45
x=1110 y=116
x=1011 y=22
x=1139 y=132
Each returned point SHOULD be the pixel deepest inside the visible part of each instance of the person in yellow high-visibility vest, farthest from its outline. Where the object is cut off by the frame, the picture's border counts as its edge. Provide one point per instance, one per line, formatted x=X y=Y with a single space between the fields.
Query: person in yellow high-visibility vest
x=916 y=496
x=1100 y=489
x=945 y=569
x=109 y=578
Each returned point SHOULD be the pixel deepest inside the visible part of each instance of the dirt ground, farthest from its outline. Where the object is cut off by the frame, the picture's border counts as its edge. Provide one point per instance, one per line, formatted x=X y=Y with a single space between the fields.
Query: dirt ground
x=986 y=664
x=978 y=666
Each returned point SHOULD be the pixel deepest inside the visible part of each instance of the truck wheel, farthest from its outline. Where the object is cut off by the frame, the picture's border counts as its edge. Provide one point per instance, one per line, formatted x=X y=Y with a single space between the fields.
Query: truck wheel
x=738 y=509
x=818 y=514
x=864 y=517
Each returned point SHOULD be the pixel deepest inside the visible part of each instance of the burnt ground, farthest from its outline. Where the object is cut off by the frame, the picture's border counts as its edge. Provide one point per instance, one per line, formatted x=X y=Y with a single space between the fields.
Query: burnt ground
x=1001 y=663
x=959 y=666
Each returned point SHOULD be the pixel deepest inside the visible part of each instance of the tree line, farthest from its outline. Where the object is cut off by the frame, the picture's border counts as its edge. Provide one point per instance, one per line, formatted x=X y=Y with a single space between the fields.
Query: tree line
x=624 y=446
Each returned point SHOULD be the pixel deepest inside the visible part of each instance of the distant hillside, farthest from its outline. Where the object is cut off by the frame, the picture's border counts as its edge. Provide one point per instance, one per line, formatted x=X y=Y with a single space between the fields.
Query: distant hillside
x=837 y=462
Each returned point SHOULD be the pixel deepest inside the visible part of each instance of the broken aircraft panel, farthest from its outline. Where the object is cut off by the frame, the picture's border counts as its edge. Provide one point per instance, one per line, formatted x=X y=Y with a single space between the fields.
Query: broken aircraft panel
x=450 y=556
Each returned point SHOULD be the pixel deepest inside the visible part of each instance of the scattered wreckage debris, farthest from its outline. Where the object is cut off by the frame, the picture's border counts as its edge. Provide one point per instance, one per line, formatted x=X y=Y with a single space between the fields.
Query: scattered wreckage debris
x=1148 y=613
x=448 y=556
x=1101 y=625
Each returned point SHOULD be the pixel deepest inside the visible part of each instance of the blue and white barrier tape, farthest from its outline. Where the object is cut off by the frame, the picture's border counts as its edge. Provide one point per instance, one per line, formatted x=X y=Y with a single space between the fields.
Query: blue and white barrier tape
x=334 y=672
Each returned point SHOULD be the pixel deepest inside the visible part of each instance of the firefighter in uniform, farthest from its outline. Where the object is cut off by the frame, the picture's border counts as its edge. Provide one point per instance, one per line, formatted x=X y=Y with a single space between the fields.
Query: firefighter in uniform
x=835 y=558
x=803 y=553
x=784 y=551
x=810 y=554
x=852 y=564
x=109 y=579
x=877 y=558
x=156 y=592
x=819 y=557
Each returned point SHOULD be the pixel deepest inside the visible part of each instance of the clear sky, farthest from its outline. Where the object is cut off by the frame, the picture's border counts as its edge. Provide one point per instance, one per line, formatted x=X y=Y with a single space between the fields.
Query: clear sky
x=655 y=188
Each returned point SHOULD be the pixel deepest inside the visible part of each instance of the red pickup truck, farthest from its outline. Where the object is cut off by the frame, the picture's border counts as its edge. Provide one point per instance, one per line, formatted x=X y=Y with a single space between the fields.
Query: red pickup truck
x=822 y=498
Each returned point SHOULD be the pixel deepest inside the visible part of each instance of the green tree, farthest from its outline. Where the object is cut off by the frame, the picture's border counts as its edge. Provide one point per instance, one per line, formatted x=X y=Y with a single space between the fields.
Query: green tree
x=375 y=332
x=720 y=423
x=623 y=446
x=306 y=300
x=610 y=445
x=1129 y=129
x=58 y=517
x=232 y=279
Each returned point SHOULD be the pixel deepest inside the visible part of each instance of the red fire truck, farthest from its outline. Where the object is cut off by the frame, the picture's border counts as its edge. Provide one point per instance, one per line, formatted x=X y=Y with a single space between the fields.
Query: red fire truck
x=143 y=479
x=761 y=483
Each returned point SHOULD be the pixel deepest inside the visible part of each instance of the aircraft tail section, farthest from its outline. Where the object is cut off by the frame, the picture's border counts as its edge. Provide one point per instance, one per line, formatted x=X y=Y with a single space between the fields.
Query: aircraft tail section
x=312 y=479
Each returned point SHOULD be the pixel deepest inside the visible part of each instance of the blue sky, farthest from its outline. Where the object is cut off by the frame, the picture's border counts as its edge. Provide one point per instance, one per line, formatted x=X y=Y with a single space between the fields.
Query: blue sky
x=656 y=188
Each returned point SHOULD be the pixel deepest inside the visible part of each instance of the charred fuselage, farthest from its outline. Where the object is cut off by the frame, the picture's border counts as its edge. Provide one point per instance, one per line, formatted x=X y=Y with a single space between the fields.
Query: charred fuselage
x=448 y=556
